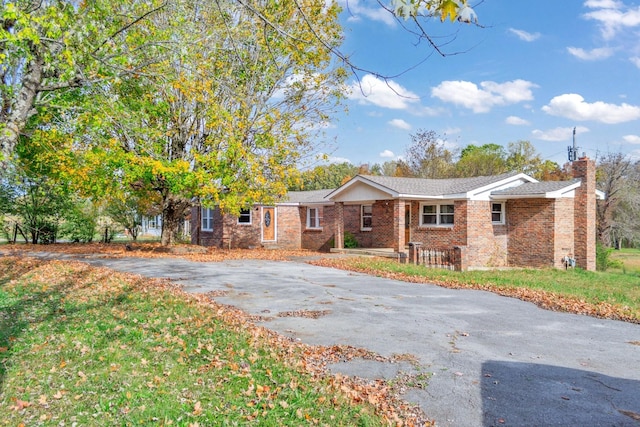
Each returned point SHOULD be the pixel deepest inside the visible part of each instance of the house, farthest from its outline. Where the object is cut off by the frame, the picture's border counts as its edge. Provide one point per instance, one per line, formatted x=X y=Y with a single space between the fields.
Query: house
x=494 y=221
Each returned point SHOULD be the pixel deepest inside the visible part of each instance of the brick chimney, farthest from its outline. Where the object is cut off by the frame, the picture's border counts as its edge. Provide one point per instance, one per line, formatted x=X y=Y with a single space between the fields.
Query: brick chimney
x=584 y=211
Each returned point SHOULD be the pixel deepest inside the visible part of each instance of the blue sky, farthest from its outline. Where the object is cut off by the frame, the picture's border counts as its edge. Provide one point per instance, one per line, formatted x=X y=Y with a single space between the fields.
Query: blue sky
x=536 y=70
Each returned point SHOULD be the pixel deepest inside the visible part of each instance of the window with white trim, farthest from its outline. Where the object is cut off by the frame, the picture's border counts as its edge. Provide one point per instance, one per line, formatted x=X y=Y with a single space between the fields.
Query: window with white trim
x=313 y=217
x=245 y=216
x=437 y=215
x=206 y=215
x=497 y=212
x=155 y=221
x=366 y=217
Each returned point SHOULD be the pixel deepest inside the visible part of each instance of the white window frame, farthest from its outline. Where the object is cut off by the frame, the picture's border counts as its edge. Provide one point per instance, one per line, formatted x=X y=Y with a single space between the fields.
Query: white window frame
x=438 y=215
x=206 y=214
x=313 y=222
x=154 y=222
x=243 y=214
x=501 y=221
x=364 y=215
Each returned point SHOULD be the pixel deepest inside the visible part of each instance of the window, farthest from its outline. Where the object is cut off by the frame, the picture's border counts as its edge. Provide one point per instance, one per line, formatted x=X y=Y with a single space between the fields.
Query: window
x=245 y=216
x=366 y=217
x=437 y=215
x=207 y=219
x=155 y=221
x=497 y=213
x=313 y=218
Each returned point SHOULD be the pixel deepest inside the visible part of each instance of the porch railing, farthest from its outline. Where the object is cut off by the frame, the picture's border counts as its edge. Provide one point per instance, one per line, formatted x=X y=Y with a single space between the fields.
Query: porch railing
x=434 y=257
x=437 y=258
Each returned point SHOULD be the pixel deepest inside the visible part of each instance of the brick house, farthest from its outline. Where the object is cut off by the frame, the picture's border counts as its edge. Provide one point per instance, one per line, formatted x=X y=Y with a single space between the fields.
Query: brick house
x=495 y=221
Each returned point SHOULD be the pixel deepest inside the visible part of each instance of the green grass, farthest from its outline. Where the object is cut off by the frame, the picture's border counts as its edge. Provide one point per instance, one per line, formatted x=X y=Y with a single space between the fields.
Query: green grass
x=558 y=289
x=630 y=260
x=90 y=347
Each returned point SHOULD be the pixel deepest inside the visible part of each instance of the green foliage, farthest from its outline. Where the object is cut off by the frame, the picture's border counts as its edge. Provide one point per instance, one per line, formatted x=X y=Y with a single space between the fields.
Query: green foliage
x=485 y=160
x=37 y=203
x=324 y=177
x=350 y=240
x=604 y=260
x=80 y=224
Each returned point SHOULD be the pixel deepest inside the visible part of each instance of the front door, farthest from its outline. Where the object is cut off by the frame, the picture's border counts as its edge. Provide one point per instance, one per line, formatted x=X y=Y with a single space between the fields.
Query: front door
x=268 y=224
x=407 y=224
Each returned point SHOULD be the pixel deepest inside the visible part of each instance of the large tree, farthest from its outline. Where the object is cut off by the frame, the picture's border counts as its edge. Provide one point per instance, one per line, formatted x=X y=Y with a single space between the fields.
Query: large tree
x=226 y=110
x=428 y=156
x=619 y=180
x=51 y=46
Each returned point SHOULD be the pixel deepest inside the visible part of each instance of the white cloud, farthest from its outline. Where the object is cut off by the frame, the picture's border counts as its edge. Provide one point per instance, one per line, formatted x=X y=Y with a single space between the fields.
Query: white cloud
x=387 y=154
x=636 y=61
x=525 y=36
x=357 y=10
x=632 y=139
x=482 y=99
x=516 y=121
x=332 y=159
x=400 y=124
x=573 y=106
x=558 y=134
x=590 y=55
x=387 y=94
x=612 y=16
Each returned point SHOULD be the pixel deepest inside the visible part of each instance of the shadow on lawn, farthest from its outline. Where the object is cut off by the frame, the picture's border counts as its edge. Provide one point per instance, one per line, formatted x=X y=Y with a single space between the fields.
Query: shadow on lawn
x=532 y=394
x=22 y=309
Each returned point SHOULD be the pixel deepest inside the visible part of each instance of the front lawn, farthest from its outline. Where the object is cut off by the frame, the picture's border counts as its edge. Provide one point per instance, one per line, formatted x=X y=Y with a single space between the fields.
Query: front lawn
x=87 y=346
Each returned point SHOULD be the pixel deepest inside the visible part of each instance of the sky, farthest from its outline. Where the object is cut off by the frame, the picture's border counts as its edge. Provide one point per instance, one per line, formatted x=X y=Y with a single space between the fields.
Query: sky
x=531 y=70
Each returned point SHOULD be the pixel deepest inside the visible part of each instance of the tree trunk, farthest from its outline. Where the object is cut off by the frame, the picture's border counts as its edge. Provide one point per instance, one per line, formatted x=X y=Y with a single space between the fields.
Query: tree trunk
x=173 y=212
x=22 y=108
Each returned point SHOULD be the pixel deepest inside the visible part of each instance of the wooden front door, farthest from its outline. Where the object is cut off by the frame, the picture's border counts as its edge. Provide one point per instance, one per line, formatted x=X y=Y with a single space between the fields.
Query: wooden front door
x=268 y=224
x=407 y=224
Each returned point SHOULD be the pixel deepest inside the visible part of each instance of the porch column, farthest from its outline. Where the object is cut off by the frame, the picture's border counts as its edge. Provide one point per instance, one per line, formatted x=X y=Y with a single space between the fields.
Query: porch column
x=398 y=225
x=338 y=237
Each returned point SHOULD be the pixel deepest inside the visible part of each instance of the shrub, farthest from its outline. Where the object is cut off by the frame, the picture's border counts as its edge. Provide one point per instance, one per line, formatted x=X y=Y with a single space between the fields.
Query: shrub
x=603 y=258
x=350 y=241
x=80 y=226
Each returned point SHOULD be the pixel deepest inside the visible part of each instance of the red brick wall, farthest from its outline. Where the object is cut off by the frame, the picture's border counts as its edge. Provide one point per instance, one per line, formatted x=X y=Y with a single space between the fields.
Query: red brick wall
x=206 y=238
x=244 y=235
x=351 y=216
x=383 y=233
x=319 y=239
x=440 y=237
x=585 y=213
x=289 y=227
x=486 y=242
x=531 y=225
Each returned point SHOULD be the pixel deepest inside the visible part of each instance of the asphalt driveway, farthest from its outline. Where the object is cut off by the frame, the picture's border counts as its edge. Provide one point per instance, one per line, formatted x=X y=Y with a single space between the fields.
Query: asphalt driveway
x=492 y=360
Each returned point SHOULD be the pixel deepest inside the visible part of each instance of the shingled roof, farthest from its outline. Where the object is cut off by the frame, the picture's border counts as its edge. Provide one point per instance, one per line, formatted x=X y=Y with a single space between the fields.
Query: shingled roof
x=538 y=189
x=308 y=197
x=434 y=188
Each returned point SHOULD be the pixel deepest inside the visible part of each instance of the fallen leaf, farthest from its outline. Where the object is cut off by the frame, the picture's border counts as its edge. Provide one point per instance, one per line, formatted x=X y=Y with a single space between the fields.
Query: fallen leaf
x=197 y=408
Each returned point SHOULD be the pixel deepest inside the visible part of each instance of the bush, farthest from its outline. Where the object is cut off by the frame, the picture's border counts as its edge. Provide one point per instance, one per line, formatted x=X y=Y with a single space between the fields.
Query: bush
x=603 y=258
x=350 y=241
x=80 y=226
